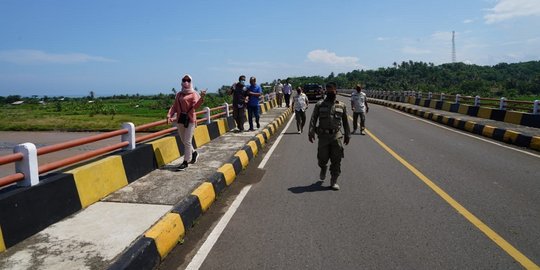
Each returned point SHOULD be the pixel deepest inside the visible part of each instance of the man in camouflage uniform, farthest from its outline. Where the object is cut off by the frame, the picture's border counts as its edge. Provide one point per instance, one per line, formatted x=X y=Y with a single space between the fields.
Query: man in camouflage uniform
x=330 y=115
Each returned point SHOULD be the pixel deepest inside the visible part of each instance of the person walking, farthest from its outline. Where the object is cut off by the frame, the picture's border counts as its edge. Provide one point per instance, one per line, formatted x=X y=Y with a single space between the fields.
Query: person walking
x=287 y=91
x=300 y=105
x=278 y=89
x=329 y=116
x=239 y=94
x=184 y=106
x=360 y=108
x=254 y=93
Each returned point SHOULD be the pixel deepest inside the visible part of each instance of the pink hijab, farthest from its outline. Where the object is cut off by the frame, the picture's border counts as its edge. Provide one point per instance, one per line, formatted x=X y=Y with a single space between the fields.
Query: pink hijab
x=187 y=87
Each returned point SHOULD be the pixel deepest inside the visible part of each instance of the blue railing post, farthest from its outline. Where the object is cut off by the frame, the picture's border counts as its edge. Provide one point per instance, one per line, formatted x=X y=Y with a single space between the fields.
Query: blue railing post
x=28 y=165
x=130 y=136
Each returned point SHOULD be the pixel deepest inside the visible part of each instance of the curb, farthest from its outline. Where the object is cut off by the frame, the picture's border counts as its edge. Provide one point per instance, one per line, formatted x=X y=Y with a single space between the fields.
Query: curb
x=499 y=134
x=152 y=247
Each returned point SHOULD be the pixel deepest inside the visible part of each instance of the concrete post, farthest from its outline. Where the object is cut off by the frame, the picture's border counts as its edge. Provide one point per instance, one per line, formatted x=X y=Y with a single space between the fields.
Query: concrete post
x=130 y=136
x=477 y=101
x=208 y=112
x=536 y=106
x=429 y=94
x=442 y=96
x=458 y=96
x=28 y=165
x=227 y=113
x=502 y=104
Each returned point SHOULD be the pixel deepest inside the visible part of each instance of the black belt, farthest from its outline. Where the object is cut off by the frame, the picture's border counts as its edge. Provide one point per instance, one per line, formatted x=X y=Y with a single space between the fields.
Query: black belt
x=328 y=131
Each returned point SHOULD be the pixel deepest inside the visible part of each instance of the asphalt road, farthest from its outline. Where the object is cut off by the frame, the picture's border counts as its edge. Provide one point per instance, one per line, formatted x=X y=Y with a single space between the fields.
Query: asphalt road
x=442 y=200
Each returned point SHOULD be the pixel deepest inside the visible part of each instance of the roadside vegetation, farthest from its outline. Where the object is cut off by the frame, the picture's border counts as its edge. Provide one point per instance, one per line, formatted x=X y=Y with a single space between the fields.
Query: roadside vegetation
x=518 y=81
x=88 y=113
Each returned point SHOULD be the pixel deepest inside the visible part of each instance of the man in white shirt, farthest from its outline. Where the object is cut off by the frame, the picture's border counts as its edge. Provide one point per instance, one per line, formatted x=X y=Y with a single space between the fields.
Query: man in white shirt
x=287 y=91
x=278 y=89
x=359 y=107
x=300 y=105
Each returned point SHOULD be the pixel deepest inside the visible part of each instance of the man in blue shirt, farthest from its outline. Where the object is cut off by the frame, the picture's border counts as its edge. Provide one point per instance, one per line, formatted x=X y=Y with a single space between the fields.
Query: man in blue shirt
x=254 y=92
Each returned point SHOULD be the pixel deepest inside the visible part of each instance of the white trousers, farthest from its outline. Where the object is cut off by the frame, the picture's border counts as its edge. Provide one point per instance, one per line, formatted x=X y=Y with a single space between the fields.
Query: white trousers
x=186 y=134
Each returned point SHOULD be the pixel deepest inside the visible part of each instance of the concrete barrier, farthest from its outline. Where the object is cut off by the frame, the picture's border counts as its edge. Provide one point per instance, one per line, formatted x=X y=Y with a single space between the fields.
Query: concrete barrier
x=500 y=134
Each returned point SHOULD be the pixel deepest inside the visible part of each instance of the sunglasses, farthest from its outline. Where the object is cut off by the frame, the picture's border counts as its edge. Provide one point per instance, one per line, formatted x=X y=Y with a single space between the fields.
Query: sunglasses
x=186 y=80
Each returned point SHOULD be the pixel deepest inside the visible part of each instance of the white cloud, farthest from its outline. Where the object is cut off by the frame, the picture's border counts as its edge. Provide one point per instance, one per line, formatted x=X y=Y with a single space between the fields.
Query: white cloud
x=508 y=9
x=330 y=58
x=41 y=57
x=414 y=50
x=468 y=21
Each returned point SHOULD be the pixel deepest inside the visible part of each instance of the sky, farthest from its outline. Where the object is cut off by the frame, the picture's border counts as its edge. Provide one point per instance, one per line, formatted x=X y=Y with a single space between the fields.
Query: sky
x=69 y=48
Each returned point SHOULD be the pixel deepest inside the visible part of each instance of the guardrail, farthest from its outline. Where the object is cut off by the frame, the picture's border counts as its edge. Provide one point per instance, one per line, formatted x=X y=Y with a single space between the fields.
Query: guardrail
x=500 y=103
x=25 y=155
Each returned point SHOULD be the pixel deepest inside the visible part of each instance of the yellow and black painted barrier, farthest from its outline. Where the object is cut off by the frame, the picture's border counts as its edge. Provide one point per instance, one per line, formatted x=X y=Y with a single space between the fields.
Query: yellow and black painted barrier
x=154 y=245
x=500 y=134
x=24 y=211
x=518 y=118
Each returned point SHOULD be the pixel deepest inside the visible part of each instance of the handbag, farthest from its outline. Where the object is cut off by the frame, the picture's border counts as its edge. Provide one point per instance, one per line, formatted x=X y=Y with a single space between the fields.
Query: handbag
x=183 y=117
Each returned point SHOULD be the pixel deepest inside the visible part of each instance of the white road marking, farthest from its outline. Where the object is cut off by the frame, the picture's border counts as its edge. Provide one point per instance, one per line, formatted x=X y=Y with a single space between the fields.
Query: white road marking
x=205 y=249
x=269 y=154
x=463 y=133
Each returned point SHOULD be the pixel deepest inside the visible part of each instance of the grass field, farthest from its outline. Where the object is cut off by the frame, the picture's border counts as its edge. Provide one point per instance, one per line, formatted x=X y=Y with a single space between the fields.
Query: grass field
x=81 y=115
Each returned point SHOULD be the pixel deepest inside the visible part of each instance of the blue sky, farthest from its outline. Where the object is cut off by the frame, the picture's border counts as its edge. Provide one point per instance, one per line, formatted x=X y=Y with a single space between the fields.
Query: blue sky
x=126 y=47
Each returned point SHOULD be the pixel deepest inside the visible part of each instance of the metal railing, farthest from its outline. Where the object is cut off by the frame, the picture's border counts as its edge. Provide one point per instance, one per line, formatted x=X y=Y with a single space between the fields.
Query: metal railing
x=25 y=155
x=500 y=103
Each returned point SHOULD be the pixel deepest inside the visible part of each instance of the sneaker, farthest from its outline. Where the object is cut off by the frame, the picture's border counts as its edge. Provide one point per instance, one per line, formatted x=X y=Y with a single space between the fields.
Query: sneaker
x=258 y=125
x=299 y=132
x=335 y=187
x=251 y=129
x=194 y=157
x=182 y=166
x=322 y=175
x=362 y=132
x=353 y=131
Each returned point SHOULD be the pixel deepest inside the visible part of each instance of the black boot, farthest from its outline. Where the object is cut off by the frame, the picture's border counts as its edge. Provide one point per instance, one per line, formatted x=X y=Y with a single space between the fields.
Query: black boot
x=322 y=175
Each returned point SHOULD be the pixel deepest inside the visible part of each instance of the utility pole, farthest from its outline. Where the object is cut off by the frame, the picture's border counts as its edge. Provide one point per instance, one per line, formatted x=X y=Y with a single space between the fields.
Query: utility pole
x=453 y=47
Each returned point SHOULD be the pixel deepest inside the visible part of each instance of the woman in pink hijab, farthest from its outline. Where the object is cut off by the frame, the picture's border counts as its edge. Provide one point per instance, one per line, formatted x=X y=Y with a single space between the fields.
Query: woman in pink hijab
x=184 y=106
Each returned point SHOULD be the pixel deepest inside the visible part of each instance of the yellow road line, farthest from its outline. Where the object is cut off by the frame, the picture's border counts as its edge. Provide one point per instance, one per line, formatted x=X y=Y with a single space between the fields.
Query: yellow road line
x=507 y=247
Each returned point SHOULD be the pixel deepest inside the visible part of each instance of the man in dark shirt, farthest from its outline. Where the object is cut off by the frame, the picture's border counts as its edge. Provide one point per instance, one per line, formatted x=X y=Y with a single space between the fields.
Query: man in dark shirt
x=239 y=93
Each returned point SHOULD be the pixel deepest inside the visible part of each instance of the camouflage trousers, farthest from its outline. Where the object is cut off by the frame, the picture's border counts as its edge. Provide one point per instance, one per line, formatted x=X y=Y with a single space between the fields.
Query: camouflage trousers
x=330 y=149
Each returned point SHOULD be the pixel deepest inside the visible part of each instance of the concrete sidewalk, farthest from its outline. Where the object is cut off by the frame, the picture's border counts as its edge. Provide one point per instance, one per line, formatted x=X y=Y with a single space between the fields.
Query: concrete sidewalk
x=106 y=233
x=519 y=135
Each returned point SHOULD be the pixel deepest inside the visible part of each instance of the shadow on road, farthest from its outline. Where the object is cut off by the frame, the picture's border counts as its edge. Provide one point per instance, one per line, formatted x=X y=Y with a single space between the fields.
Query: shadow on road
x=317 y=186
